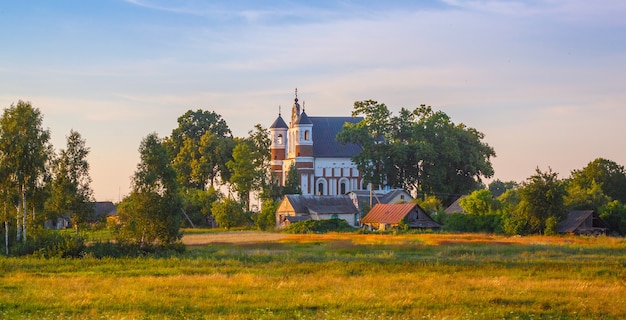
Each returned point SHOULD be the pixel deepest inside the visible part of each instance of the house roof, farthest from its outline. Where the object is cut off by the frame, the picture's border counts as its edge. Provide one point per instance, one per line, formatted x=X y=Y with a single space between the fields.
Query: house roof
x=395 y=213
x=379 y=196
x=325 y=144
x=455 y=207
x=388 y=213
x=312 y=204
x=575 y=219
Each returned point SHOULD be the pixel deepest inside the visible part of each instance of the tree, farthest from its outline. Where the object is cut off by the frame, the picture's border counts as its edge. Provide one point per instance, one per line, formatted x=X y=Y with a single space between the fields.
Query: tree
x=292 y=183
x=228 y=213
x=542 y=197
x=498 y=187
x=70 y=188
x=614 y=214
x=199 y=148
x=608 y=175
x=250 y=164
x=420 y=150
x=151 y=213
x=25 y=151
x=266 y=219
x=479 y=202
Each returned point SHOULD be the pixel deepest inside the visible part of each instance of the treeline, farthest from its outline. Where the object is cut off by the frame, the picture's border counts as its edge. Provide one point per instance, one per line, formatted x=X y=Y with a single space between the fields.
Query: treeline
x=538 y=204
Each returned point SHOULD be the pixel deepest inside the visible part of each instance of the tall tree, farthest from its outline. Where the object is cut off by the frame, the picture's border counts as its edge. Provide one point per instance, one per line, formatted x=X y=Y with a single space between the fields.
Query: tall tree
x=542 y=198
x=420 y=150
x=607 y=174
x=25 y=149
x=71 y=186
x=200 y=147
x=152 y=211
x=250 y=164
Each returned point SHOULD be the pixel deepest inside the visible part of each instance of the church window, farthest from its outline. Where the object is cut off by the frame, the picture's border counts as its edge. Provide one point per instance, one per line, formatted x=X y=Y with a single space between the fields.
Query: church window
x=279 y=139
x=320 y=189
x=343 y=188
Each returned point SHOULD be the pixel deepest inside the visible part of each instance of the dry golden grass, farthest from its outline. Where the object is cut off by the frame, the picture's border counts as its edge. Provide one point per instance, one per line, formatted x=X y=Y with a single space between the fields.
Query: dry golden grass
x=247 y=275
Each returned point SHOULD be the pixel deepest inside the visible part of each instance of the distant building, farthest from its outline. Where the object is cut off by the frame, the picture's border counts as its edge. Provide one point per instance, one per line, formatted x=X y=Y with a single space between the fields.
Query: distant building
x=310 y=143
x=296 y=208
x=388 y=216
x=366 y=199
x=585 y=222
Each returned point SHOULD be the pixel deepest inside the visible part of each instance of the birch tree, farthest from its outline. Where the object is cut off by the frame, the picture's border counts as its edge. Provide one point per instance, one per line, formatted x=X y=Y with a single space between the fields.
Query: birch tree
x=25 y=149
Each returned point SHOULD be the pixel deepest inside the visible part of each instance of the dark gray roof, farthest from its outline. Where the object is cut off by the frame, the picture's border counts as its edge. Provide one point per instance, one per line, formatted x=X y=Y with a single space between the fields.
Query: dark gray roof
x=325 y=130
x=279 y=123
x=455 y=207
x=575 y=222
x=311 y=204
x=304 y=119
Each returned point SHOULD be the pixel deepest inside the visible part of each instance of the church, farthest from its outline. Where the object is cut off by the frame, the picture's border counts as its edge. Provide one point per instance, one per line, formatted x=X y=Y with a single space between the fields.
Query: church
x=309 y=143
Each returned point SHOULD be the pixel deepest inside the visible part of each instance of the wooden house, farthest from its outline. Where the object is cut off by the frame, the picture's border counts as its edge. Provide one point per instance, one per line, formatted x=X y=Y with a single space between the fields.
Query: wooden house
x=388 y=216
x=585 y=222
x=455 y=207
x=366 y=199
x=296 y=207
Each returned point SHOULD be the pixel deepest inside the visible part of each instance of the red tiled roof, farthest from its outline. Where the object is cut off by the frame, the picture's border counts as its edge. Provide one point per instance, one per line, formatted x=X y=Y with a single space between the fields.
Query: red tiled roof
x=388 y=213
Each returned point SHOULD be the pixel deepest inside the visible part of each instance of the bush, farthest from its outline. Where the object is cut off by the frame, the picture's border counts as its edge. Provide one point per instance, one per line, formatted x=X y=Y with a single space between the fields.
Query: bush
x=51 y=244
x=319 y=226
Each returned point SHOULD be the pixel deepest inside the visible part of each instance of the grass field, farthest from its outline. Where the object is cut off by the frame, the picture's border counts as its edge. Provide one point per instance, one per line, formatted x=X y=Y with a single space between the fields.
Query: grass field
x=252 y=275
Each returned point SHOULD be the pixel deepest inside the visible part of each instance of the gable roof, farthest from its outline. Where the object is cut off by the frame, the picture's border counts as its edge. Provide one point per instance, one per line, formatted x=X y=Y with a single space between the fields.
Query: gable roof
x=455 y=207
x=575 y=220
x=395 y=213
x=378 y=196
x=325 y=144
x=388 y=213
x=311 y=204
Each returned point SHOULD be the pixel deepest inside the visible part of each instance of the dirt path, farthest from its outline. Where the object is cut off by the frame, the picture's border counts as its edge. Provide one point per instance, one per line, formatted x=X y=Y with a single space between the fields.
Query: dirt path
x=231 y=237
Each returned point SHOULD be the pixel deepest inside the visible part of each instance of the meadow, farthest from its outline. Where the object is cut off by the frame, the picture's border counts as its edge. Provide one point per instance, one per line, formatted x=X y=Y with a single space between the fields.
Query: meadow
x=250 y=275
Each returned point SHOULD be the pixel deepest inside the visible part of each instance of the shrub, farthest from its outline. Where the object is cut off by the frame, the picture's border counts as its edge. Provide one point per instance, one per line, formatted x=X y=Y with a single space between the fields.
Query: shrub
x=319 y=226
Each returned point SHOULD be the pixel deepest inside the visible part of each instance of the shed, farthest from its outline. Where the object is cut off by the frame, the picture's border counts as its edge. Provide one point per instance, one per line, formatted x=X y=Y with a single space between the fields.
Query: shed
x=582 y=222
x=387 y=216
x=297 y=207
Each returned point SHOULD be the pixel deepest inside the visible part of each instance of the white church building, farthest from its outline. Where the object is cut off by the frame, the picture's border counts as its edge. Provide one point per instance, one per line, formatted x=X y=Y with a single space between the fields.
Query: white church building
x=324 y=165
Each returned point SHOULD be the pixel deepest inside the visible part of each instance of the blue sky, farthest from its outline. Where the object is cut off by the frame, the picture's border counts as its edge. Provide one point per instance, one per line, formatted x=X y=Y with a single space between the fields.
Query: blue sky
x=545 y=80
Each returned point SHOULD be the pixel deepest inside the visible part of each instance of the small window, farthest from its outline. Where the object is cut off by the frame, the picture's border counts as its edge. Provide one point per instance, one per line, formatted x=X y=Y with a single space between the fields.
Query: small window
x=306 y=135
x=343 y=188
x=320 y=189
x=334 y=216
x=279 y=139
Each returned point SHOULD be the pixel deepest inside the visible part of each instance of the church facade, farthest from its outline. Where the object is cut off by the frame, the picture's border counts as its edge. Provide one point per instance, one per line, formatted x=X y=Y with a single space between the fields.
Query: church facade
x=309 y=143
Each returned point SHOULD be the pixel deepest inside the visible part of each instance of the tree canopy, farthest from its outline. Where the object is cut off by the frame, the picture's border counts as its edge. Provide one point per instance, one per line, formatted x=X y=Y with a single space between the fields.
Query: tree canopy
x=420 y=150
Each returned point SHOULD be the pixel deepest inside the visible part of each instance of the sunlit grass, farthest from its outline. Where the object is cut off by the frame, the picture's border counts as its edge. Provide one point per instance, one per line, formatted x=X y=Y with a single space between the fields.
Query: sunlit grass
x=335 y=276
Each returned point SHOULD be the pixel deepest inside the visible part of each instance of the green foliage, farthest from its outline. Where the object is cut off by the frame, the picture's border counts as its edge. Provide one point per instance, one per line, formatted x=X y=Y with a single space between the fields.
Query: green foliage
x=417 y=150
x=541 y=197
x=51 y=244
x=25 y=150
x=614 y=214
x=497 y=187
x=197 y=204
x=199 y=148
x=319 y=226
x=551 y=223
x=606 y=174
x=229 y=213
x=292 y=183
x=70 y=190
x=480 y=202
x=430 y=204
x=151 y=213
x=579 y=197
x=266 y=219
x=461 y=222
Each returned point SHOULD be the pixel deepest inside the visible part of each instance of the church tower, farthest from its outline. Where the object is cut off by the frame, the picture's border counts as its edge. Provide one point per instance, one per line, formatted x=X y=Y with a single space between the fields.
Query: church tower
x=300 y=147
x=278 y=147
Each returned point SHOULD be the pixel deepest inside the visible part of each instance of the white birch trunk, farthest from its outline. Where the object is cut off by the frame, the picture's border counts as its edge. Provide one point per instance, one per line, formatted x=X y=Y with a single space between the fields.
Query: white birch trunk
x=6 y=237
x=24 y=215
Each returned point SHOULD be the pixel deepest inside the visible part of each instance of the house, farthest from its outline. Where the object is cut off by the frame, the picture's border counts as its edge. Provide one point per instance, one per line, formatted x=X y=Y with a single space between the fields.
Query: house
x=310 y=144
x=296 y=207
x=101 y=211
x=387 y=216
x=455 y=207
x=585 y=222
x=366 y=199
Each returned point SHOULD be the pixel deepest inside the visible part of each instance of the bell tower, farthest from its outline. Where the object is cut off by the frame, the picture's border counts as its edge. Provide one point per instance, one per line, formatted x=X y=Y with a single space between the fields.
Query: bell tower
x=278 y=147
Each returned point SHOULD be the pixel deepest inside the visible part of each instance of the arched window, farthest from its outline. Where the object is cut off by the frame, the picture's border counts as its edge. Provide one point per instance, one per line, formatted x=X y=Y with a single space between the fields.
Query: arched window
x=279 y=139
x=342 y=188
x=306 y=135
x=321 y=187
x=343 y=185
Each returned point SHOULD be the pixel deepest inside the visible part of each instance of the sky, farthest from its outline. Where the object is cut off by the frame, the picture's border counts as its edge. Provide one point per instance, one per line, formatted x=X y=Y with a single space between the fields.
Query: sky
x=544 y=80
